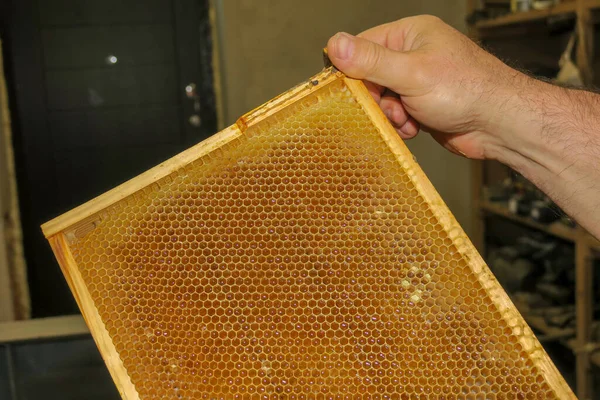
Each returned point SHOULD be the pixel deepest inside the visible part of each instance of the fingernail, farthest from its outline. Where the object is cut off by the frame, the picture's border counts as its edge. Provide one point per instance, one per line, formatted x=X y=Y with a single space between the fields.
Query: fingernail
x=344 y=45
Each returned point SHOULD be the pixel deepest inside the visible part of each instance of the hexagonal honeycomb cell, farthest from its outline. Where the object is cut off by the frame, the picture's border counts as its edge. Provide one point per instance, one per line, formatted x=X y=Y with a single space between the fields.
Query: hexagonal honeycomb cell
x=305 y=258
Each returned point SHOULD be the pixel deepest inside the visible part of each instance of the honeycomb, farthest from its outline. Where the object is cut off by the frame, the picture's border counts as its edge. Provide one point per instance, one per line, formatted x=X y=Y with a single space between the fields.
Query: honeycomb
x=299 y=261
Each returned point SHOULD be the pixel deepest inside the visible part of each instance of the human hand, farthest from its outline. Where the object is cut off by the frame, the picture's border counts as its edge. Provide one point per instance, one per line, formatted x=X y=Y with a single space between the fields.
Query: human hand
x=424 y=73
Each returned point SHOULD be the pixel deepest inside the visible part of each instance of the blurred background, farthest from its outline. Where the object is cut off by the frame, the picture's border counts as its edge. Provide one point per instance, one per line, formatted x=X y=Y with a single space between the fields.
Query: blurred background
x=94 y=92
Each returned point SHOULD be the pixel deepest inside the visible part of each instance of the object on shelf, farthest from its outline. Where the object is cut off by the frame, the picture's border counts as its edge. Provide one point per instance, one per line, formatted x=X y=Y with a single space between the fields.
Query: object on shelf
x=517 y=184
x=496 y=7
x=498 y=192
x=543 y=4
x=523 y=199
x=595 y=331
x=557 y=261
x=513 y=275
x=532 y=300
x=523 y=194
x=568 y=221
x=513 y=266
x=527 y=204
x=520 y=204
x=489 y=9
x=567 y=318
x=569 y=73
x=513 y=184
x=536 y=264
x=556 y=293
x=520 y=5
x=544 y=212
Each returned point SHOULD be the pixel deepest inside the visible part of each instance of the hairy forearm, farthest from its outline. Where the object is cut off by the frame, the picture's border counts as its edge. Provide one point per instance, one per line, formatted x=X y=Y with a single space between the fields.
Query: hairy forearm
x=551 y=135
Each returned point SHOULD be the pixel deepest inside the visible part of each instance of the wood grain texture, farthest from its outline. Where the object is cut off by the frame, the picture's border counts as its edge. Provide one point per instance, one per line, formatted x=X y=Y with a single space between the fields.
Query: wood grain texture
x=462 y=242
x=92 y=318
x=585 y=41
x=130 y=187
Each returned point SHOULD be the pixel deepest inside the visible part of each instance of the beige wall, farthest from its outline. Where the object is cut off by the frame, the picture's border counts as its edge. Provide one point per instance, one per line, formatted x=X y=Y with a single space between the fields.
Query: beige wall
x=268 y=46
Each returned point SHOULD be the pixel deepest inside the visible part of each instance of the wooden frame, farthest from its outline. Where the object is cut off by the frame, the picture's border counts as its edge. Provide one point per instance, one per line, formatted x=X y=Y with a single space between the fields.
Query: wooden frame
x=82 y=220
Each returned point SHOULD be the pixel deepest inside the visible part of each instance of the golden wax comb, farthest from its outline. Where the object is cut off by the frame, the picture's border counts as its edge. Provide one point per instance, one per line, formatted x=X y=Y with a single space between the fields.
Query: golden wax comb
x=300 y=253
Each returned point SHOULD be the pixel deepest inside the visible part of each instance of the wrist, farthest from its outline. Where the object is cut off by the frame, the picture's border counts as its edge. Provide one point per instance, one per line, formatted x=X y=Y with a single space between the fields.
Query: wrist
x=528 y=116
x=511 y=107
x=549 y=135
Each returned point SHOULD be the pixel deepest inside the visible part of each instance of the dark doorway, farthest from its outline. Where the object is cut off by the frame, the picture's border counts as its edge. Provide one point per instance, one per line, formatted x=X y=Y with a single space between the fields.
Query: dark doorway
x=98 y=92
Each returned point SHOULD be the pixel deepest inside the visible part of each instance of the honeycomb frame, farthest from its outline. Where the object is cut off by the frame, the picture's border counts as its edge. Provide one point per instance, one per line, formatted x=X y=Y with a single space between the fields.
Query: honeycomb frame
x=504 y=358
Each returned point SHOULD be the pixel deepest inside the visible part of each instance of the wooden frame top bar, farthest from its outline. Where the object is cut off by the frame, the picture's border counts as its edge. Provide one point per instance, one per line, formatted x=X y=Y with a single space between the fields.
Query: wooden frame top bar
x=130 y=187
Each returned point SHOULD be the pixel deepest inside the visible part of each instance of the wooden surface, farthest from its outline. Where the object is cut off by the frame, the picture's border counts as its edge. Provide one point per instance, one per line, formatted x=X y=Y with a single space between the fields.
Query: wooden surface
x=43 y=328
x=83 y=217
x=555 y=229
x=533 y=15
x=88 y=309
x=459 y=238
x=585 y=42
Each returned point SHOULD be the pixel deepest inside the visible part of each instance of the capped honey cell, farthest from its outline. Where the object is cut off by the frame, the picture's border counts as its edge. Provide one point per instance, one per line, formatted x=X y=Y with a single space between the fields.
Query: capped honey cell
x=300 y=254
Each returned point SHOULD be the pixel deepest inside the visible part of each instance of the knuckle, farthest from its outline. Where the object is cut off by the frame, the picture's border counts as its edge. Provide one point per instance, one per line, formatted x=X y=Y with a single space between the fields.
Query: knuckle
x=431 y=19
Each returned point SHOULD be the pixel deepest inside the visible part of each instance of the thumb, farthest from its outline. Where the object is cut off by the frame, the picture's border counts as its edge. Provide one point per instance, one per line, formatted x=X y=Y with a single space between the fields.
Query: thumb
x=360 y=58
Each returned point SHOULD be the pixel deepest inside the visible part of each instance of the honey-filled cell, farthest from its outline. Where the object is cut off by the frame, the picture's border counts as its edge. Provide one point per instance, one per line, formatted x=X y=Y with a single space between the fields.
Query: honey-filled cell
x=301 y=260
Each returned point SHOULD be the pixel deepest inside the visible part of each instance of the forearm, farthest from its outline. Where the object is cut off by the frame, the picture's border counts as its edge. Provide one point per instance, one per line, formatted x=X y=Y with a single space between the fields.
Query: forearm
x=551 y=135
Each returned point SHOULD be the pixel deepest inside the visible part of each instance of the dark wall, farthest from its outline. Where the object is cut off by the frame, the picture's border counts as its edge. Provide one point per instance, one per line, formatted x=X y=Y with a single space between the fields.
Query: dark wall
x=97 y=90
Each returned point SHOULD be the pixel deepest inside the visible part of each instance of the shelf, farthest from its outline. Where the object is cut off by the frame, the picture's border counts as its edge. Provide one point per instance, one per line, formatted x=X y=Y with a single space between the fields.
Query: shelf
x=539 y=324
x=564 y=8
x=555 y=229
x=42 y=328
